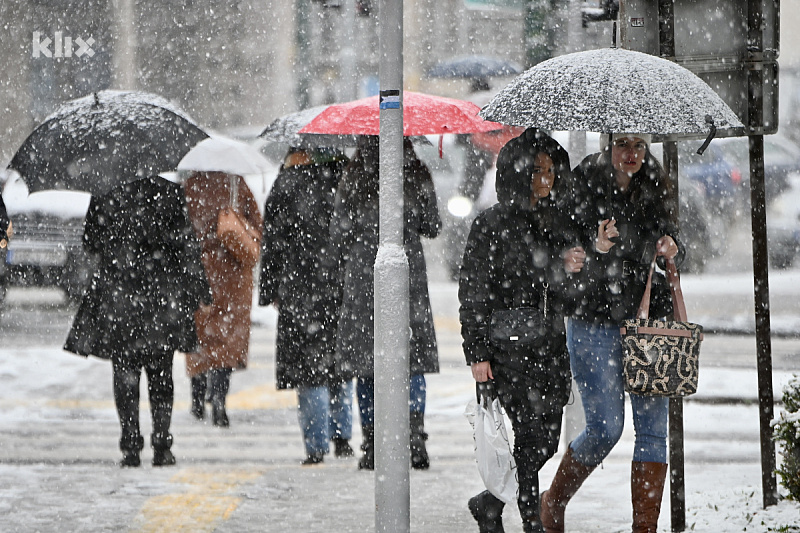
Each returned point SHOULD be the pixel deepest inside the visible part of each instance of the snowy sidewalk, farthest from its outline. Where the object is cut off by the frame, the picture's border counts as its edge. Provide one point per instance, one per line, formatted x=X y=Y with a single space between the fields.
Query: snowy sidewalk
x=59 y=448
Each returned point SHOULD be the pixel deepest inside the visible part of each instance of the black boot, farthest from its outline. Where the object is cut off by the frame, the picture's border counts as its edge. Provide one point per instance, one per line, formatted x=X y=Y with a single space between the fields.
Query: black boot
x=528 y=460
x=198 y=409
x=162 y=455
x=367 y=461
x=341 y=447
x=126 y=399
x=219 y=383
x=487 y=510
x=131 y=446
x=313 y=459
x=419 y=453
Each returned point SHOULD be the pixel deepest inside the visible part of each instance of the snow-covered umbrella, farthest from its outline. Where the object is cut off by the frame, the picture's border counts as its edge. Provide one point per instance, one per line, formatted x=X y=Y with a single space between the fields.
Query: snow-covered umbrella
x=221 y=154
x=228 y=156
x=611 y=90
x=285 y=129
x=106 y=138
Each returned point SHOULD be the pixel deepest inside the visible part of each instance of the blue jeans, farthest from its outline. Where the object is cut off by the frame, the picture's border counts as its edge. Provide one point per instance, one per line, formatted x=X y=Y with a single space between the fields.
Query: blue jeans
x=325 y=412
x=365 y=390
x=595 y=354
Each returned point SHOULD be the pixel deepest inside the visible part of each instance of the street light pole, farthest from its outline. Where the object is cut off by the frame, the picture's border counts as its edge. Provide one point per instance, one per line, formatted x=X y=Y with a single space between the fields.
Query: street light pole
x=392 y=452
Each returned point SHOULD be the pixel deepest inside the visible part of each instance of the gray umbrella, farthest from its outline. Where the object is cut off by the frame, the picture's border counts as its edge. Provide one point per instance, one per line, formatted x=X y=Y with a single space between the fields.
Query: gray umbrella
x=285 y=130
x=610 y=90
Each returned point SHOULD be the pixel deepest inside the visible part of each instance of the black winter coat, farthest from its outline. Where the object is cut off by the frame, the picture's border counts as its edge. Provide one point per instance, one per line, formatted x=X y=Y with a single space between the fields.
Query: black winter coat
x=354 y=233
x=298 y=271
x=513 y=259
x=149 y=280
x=616 y=280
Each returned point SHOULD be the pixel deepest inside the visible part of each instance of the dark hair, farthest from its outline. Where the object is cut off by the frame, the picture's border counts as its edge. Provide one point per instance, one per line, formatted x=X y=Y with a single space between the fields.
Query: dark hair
x=516 y=161
x=649 y=183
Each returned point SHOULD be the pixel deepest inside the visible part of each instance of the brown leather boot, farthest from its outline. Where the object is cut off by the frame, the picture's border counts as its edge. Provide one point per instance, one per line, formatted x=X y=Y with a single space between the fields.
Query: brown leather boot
x=647 y=487
x=568 y=479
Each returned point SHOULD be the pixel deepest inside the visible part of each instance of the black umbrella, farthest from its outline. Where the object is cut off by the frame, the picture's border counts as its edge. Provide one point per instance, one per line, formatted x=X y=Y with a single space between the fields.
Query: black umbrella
x=96 y=142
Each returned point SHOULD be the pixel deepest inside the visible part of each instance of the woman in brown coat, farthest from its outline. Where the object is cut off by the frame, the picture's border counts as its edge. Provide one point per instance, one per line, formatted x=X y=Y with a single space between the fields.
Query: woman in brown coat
x=223 y=328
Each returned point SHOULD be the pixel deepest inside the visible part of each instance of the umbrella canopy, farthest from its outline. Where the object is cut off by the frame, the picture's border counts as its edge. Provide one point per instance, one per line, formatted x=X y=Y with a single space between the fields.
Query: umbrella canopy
x=220 y=154
x=99 y=141
x=285 y=129
x=610 y=91
x=423 y=114
x=474 y=66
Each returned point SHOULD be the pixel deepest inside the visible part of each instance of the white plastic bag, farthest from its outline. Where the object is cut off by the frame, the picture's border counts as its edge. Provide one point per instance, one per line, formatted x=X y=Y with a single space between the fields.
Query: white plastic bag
x=492 y=449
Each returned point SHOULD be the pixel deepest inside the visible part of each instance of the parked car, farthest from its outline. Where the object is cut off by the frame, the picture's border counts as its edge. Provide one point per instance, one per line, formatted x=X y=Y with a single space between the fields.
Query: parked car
x=781 y=158
x=783 y=224
x=46 y=249
x=716 y=177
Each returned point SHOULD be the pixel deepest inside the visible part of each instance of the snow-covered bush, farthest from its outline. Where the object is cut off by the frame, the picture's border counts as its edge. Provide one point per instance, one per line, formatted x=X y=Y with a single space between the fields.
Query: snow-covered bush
x=787 y=433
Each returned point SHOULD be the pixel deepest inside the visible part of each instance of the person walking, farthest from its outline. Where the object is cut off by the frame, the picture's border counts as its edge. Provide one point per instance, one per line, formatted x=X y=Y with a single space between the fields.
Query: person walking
x=223 y=328
x=522 y=254
x=354 y=233
x=298 y=276
x=6 y=229
x=621 y=202
x=139 y=308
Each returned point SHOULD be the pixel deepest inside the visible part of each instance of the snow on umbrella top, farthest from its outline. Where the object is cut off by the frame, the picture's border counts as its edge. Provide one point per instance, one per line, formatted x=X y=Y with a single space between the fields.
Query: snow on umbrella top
x=110 y=137
x=285 y=129
x=423 y=114
x=220 y=154
x=610 y=91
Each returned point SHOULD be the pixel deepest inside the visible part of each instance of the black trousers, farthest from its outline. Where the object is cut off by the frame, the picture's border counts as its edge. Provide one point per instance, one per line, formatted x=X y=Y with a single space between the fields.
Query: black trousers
x=536 y=422
x=127 y=369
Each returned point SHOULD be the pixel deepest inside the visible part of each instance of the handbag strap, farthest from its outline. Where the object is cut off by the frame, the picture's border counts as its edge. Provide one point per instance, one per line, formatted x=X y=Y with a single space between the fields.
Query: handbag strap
x=678 y=305
x=644 y=305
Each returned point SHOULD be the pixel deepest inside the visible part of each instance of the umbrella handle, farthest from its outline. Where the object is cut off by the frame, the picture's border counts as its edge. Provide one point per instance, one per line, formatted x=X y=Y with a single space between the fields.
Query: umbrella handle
x=711 y=134
x=234 y=198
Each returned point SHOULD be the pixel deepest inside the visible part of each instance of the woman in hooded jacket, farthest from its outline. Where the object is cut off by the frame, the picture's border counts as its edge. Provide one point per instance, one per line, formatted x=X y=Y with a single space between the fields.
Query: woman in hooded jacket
x=621 y=201
x=522 y=253
x=354 y=237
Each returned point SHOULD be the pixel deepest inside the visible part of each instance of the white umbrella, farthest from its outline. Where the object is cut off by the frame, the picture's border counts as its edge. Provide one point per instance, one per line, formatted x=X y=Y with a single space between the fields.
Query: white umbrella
x=610 y=90
x=220 y=154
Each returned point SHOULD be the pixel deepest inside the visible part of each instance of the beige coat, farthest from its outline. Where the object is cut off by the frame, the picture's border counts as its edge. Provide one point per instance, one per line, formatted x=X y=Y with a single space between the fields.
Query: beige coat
x=223 y=328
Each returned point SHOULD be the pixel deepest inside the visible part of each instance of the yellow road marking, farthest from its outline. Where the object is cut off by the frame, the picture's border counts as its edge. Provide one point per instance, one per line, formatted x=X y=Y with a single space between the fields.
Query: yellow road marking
x=206 y=502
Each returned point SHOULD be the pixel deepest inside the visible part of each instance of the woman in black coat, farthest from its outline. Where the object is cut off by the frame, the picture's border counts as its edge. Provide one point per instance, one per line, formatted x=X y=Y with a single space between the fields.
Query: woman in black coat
x=354 y=234
x=298 y=276
x=140 y=305
x=522 y=253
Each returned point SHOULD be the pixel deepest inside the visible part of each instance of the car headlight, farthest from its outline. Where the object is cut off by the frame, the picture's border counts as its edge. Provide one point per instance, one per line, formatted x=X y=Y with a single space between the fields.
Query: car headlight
x=459 y=206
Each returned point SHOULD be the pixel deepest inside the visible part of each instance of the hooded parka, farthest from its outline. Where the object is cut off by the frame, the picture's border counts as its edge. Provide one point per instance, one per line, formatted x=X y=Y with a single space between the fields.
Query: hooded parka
x=149 y=280
x=513 y=259
x=354 y=234
x=298 y=270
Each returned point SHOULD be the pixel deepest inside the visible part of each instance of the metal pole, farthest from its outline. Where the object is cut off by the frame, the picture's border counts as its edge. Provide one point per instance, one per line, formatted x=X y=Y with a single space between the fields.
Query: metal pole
x=677 y=478
x=303 y=63
x=392 y=453
x=125 y=50
x=758 y=214
x=347 y=72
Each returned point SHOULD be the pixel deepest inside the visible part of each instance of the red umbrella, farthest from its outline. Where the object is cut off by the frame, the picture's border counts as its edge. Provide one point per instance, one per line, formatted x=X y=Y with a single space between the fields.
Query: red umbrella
x=423 y=114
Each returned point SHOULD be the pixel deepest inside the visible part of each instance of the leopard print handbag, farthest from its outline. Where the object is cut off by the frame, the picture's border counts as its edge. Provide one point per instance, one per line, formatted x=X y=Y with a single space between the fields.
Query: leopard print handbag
x=661 y=358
